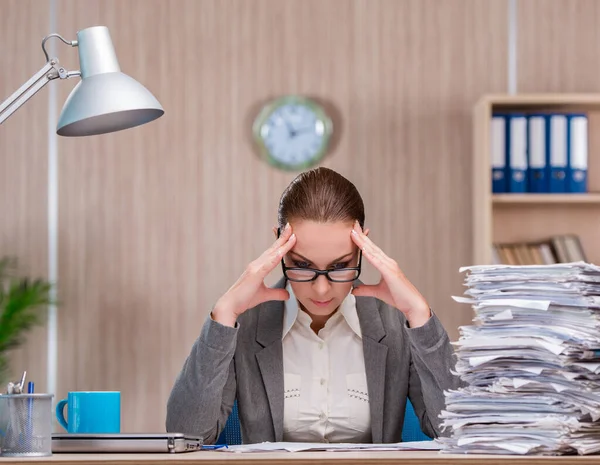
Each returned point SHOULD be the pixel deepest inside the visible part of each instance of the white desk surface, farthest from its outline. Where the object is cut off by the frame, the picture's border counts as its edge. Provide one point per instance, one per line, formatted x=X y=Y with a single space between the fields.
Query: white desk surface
x=302 y=458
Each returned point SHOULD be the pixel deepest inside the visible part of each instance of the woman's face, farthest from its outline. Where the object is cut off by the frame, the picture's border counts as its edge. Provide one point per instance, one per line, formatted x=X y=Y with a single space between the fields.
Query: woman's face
x=322 y=246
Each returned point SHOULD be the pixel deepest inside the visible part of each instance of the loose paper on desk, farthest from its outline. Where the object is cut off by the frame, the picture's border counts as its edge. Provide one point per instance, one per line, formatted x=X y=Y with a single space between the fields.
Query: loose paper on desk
x=340 y=447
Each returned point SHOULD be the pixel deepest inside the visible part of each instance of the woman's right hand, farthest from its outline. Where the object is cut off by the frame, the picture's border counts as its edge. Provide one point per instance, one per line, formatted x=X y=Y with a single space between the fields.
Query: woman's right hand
x=250 y=290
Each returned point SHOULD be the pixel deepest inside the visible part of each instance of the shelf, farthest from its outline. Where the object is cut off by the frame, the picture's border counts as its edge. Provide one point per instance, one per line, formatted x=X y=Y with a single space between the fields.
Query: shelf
x=589 y=198
x=535 y=101
x=513 y=217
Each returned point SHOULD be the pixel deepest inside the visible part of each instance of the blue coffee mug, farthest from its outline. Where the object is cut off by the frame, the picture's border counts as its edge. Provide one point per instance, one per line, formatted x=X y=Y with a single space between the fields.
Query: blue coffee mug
x=91 y=412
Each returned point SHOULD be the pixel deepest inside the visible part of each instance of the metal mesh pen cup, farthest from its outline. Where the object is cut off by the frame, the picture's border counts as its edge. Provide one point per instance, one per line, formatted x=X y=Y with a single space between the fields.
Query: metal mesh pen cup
x=26 y=425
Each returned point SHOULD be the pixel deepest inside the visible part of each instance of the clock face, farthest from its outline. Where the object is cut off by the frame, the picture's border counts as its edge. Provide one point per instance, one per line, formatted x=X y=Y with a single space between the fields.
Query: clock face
x=293 y=132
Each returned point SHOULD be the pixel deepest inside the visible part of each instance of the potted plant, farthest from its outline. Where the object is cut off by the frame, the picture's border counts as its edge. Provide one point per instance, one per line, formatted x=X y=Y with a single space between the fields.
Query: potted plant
x=23 y=303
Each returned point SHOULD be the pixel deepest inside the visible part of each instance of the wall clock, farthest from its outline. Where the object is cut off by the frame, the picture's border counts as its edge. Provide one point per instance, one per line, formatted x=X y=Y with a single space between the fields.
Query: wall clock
x=292 y=132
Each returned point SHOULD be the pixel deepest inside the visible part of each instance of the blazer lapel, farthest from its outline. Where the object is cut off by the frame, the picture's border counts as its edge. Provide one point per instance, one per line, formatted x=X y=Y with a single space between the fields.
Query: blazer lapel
x=375 y=360
x=270 y=359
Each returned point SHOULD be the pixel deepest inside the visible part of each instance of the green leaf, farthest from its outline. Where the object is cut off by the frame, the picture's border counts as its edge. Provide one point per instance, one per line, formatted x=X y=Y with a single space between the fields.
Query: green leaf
x=23 y=303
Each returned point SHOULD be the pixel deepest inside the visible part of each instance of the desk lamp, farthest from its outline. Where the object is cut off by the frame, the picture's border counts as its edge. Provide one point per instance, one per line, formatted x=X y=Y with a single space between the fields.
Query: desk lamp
x=105 y=100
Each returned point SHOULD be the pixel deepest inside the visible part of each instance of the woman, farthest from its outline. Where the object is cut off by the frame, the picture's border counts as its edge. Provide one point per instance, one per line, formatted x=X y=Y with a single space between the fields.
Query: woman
x=320 y=357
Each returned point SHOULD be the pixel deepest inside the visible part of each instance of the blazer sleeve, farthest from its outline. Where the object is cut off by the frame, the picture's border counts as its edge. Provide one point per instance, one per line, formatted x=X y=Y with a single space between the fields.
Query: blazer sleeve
x=432 y=363
x=204 y=391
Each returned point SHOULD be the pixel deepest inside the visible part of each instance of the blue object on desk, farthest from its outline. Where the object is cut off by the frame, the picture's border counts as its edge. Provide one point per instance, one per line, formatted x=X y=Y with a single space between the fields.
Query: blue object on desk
x=411 y=430
x=30 y=389
x=91 y=412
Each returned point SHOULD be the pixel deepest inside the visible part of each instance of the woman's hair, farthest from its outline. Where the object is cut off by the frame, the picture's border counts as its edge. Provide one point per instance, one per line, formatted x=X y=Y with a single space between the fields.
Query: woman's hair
x=320 y=195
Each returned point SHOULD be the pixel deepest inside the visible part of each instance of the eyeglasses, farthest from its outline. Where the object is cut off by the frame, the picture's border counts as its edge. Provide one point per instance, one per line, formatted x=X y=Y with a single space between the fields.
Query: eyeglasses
x=304 y=275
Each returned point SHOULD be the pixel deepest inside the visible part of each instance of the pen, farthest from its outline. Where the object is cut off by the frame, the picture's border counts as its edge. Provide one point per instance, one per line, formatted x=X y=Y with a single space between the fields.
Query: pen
x=30 y=389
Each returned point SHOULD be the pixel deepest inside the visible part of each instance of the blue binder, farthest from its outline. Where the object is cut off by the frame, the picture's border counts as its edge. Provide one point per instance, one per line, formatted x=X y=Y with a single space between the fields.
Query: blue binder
x=538 y=148
x=577 y=136
x=559 y=153
x=498 y=134
x=516 y=160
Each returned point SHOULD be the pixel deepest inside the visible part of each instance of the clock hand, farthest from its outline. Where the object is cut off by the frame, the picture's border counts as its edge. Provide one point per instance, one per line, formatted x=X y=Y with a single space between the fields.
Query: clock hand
x=289 y=127
x=303 y=130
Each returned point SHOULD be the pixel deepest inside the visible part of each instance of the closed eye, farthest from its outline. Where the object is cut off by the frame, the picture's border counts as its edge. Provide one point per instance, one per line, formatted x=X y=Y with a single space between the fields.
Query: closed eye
x=339 y=266
x=336 y=266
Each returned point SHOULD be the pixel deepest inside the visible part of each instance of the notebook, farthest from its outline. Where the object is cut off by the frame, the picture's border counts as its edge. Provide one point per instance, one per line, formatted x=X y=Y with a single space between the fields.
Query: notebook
x=124 y=443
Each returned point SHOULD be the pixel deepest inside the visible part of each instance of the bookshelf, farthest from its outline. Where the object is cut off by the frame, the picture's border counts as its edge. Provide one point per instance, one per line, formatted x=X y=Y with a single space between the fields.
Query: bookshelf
x=505 y=218
x=545 y=198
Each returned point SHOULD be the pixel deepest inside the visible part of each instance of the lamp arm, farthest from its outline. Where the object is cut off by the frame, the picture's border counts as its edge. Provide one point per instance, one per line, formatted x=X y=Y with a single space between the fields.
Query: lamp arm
x=72 y=43
x=49 y=72
x=27 y=90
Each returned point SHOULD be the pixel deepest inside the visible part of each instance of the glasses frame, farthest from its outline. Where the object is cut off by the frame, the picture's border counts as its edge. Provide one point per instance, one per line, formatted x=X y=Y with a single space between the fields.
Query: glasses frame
x=323 y=272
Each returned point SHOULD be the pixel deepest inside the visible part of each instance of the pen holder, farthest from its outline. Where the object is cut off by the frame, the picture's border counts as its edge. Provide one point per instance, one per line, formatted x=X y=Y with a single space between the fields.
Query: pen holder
x=26 y=425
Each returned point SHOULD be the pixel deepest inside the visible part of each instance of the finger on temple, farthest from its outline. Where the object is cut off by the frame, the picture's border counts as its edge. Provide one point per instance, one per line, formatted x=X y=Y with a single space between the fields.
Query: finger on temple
x=283 y=235
x=281 y=239
x=381 y=262
x=271 y=258
x=369 y=246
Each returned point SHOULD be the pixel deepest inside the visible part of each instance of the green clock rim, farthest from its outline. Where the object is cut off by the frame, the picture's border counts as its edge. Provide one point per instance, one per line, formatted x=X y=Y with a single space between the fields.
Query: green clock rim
x=273 y=106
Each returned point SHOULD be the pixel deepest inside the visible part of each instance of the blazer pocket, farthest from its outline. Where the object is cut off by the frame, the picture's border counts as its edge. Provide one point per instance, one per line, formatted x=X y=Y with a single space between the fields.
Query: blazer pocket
x=291 y=402
x=359 y=410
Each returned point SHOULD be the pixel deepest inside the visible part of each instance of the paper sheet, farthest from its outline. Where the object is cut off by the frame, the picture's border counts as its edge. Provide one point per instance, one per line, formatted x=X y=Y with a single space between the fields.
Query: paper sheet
x=340 y=447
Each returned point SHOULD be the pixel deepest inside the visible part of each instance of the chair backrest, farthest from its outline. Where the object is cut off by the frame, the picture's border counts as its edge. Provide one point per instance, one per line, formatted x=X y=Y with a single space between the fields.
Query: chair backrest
x=411 y=431
x=232 y=433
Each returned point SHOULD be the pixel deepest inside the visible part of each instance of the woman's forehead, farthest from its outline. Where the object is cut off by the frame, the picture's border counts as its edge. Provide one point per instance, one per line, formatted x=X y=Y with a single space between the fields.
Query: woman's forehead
x=323 y=242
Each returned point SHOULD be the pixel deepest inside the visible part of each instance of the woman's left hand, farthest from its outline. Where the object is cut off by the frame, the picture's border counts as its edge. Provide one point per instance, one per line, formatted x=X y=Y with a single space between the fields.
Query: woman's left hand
x=393 y=288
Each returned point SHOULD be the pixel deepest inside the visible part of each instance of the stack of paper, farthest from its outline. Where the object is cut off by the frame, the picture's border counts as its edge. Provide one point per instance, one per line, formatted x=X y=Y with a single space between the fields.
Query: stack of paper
x=531 y=362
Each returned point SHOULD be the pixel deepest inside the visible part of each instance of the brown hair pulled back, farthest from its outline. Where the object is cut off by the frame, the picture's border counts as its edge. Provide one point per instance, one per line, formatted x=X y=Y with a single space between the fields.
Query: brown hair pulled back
x=320 y=195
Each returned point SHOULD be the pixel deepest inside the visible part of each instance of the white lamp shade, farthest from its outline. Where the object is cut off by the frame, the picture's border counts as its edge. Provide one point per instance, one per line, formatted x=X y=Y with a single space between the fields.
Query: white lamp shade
x=105 y=103
x=106 y=100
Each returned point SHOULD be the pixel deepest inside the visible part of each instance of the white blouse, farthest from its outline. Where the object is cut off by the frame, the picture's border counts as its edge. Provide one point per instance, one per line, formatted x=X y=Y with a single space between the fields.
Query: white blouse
x=326 y=395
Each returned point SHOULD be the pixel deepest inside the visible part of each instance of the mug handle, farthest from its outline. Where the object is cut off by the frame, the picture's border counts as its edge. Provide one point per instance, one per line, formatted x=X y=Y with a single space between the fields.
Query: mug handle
x=60 y=414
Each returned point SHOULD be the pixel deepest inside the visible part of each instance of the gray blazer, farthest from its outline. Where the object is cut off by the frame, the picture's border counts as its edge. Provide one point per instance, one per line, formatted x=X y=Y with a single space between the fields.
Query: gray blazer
x=246 y=363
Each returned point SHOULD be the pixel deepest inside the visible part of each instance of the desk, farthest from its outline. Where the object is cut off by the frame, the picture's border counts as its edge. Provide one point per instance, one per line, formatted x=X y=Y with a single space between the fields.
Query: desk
x=301 y=458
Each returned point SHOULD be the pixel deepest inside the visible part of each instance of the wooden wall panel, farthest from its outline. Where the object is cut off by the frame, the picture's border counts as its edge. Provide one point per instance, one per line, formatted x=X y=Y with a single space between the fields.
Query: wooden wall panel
x=23 y=164
x=558 y=46
x=158 y=221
